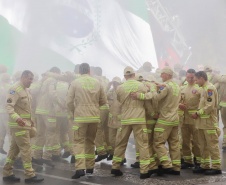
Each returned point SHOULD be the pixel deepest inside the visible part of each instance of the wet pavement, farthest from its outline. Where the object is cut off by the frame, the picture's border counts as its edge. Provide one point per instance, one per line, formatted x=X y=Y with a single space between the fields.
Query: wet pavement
x=63 y=170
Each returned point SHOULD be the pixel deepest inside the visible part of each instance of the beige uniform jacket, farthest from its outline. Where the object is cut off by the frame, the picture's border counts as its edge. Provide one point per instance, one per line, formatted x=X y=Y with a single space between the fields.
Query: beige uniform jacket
x=61 y=90
x=168 y=96
x=207 y=109
x=18 y=105
x=133 y=111
x=221 y=88
x=115 y=110
x=34 y=90
x=190 y=95
x=153 y=106
x=4 y=88
x=47 y=97
x=104 y=82
x=84 y=98
x=213 y=78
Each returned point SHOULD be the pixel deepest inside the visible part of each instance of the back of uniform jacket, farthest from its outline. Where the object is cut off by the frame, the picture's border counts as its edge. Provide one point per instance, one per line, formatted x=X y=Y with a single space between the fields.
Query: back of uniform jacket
x=84 y=98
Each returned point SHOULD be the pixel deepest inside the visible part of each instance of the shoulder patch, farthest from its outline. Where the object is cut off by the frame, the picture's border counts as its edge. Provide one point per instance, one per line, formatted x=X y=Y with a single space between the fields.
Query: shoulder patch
x=210 y=92
x=12 y=92
x=162 y=87
x=194 y=91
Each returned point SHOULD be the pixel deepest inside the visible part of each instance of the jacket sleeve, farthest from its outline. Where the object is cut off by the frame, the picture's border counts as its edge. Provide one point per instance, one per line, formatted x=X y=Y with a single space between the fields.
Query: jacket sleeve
x=70 y=98
x=210 y=102
x=103 y=96
x=148 y=95
x=161 y=93
x=10 y=103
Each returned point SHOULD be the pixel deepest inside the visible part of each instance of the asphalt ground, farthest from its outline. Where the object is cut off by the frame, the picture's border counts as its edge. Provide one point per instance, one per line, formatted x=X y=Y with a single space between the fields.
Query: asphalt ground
x=63 y=170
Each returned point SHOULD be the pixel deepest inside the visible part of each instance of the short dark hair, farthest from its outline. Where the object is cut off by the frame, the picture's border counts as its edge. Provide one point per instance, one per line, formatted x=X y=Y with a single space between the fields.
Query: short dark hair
x=26 y=73
x=84 y=68
x=98 y=71
x=201 y=74
x=191 y=71
x=55 y=70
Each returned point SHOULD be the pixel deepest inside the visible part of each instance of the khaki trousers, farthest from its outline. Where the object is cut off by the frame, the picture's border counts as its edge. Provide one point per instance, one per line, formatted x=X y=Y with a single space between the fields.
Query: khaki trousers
x=112 y=139
x=101 y=140
x=181 y=122
x=71 y=136
x=190 y=143
x=153 y=156
x=3 y=128
x=20 y=143
x=223 y=117
x=209 y=149
x=141 y=137
x=84 y=135
x=62 y=133
x=163 y=133
x=46 y=136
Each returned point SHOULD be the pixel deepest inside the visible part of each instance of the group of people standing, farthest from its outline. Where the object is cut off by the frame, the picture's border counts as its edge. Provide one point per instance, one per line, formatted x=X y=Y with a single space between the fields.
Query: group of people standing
x=82 y=112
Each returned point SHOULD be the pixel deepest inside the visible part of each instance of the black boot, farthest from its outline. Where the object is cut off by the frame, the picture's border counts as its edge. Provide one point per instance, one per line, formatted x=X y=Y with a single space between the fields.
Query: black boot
x=186 y=165
x=153 y=171
x=37 y=161
x=116 y=172
x=2 y=151
x=110 y=157
x=197 y=165
x=72 y=159
x=89 y=171
x=34 y=180
x=101 y=157
x=212 y=172
x=182 y=160
x=11 y=178
x=48 y=162
x=173 y=172
x=144 y=175
x=135 y=165
x=199 y=170
x=66 y=155
x=123 y=162
x=78 y=174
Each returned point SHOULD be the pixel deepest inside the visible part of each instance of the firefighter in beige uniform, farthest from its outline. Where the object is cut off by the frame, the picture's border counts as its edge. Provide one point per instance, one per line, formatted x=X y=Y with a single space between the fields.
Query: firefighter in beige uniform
x=114 y=121
x=85 y=96
x=221 y=88
x=62 y=117
x=166 y=128
x=4 y=88
x=19 y=108
x=190 y=94
x=132 y=119
x=207 y=124
x=151 y=121
x=101 y=140
x=46 y=123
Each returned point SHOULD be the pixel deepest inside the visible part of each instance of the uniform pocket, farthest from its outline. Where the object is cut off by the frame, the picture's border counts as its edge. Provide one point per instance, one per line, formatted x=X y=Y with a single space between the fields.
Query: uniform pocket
x=159 y=134
x=76 y=132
